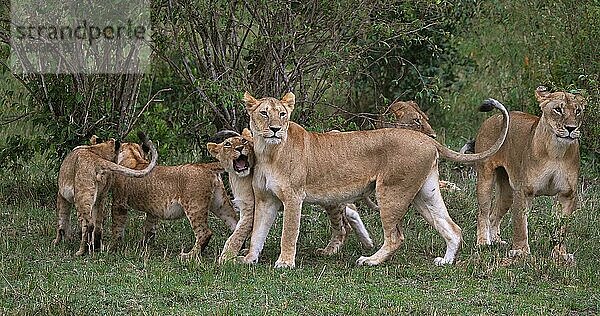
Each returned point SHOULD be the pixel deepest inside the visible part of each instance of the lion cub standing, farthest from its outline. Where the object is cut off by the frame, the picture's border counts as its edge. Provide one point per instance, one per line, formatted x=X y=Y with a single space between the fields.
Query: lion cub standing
x=170 y=192
x=539 y=157
x=84 y=178
x=236 y=155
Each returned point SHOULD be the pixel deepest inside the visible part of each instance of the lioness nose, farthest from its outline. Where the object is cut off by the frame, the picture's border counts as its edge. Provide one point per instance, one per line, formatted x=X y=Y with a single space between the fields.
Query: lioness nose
x=275 y=129
x=570 y=129
x=239 y=149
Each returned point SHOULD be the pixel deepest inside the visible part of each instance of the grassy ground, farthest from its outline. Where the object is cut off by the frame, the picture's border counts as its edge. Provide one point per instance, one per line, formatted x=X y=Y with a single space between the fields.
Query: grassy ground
x=37 y=278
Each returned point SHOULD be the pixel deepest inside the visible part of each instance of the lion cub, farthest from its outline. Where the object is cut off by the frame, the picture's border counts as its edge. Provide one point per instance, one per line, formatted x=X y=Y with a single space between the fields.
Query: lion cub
x=539 y=157
x=84 y=178
x=407 y=114
x=236 y=155
x=170 y=192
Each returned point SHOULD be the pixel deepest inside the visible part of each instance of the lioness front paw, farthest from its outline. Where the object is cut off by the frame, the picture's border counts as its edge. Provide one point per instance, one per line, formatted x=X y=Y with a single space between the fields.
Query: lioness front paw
x=284 y=264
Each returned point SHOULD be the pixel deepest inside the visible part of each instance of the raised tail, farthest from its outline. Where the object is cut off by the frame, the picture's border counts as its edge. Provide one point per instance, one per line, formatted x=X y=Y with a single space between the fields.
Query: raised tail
x=113 y=167
x=486 y=106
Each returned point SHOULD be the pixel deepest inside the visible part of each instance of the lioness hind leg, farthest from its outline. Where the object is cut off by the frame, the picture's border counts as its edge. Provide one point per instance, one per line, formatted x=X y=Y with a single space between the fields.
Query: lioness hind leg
x=392 y=210
x=430 y=204
x=504 y=200
x=338 y=230
x=484 y=188
x=63 y=229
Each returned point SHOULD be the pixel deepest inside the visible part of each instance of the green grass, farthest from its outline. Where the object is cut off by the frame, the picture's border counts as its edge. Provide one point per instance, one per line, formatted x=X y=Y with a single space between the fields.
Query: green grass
x=37 y=278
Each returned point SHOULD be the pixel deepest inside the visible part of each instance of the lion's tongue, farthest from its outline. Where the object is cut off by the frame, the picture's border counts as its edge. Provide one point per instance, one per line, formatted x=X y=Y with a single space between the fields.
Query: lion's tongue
x=240 y=164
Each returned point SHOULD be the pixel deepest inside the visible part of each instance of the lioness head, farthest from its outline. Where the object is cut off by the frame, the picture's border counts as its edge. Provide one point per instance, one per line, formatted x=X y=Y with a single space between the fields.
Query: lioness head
x=409 y=115
x=235 y=153
x=562 y=111
x=269 y=117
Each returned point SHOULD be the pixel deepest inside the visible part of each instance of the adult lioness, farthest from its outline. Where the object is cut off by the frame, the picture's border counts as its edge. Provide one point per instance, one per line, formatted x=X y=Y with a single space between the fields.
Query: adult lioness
x=83 y=180
x=293 y=166
x=540 y=157
x=236 y=156
x=170 y=192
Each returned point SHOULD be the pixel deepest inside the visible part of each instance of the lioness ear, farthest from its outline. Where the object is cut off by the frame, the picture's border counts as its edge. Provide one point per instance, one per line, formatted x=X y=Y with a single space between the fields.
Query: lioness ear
x=213 y=149
x=289 y=100
x=251 y=102
x=247 y=134
x=541 y=93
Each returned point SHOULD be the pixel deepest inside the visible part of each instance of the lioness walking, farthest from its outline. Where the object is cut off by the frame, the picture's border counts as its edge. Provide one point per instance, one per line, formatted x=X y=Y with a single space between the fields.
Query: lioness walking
x=295 y=166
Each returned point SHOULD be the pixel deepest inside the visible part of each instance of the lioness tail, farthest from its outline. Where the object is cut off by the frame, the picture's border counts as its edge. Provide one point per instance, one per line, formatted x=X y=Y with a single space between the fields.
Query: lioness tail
x=486 y=106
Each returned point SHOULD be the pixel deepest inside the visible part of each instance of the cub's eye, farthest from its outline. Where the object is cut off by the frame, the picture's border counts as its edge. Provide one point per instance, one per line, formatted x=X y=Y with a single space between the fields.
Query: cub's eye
x=558 y=110
x=282 y=114
x=577 y=111
x=264 y=113
x=244 y=141
x=227 y=144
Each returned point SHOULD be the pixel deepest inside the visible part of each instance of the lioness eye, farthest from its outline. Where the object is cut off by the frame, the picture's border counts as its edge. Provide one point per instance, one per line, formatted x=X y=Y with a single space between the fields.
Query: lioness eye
x=282 y=114
x=263 y=113
x=244 y=141
x=227 y=144
x=417 y=121
x=558 y=110
x=577 y=111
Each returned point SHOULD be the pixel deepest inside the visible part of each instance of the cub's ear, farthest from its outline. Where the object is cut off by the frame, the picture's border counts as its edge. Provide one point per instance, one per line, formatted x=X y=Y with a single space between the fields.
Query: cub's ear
x=94 y=140
x=289 y=100
x=117 y=145
x=251 y=102
x=213 y=149
x=143 y=141
x=247 y=134
x=541 y=94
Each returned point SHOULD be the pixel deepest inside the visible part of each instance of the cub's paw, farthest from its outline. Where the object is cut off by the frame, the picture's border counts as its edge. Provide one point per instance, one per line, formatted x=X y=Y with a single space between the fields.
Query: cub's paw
x=327 y=251
x=284 y=264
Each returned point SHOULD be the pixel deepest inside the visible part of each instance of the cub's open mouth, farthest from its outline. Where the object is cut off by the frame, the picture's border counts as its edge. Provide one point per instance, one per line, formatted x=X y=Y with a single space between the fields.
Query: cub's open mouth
x=241 y=163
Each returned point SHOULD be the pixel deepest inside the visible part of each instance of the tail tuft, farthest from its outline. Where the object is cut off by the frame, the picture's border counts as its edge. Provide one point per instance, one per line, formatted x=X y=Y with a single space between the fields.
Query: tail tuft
x=142 y=136
x=489 y=105
x=222 y=135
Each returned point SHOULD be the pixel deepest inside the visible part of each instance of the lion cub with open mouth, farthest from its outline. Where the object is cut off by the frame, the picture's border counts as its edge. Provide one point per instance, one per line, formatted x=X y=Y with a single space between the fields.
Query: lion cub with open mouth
x=236 y=156
x=171 y=192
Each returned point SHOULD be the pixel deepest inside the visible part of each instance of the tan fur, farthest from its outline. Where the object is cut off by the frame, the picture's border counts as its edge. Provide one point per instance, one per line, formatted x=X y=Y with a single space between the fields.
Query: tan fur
x=240 y=181
x=84 y=178
x=170 y=192
x=540 y=157
x=407 y=114
x=295 y=166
